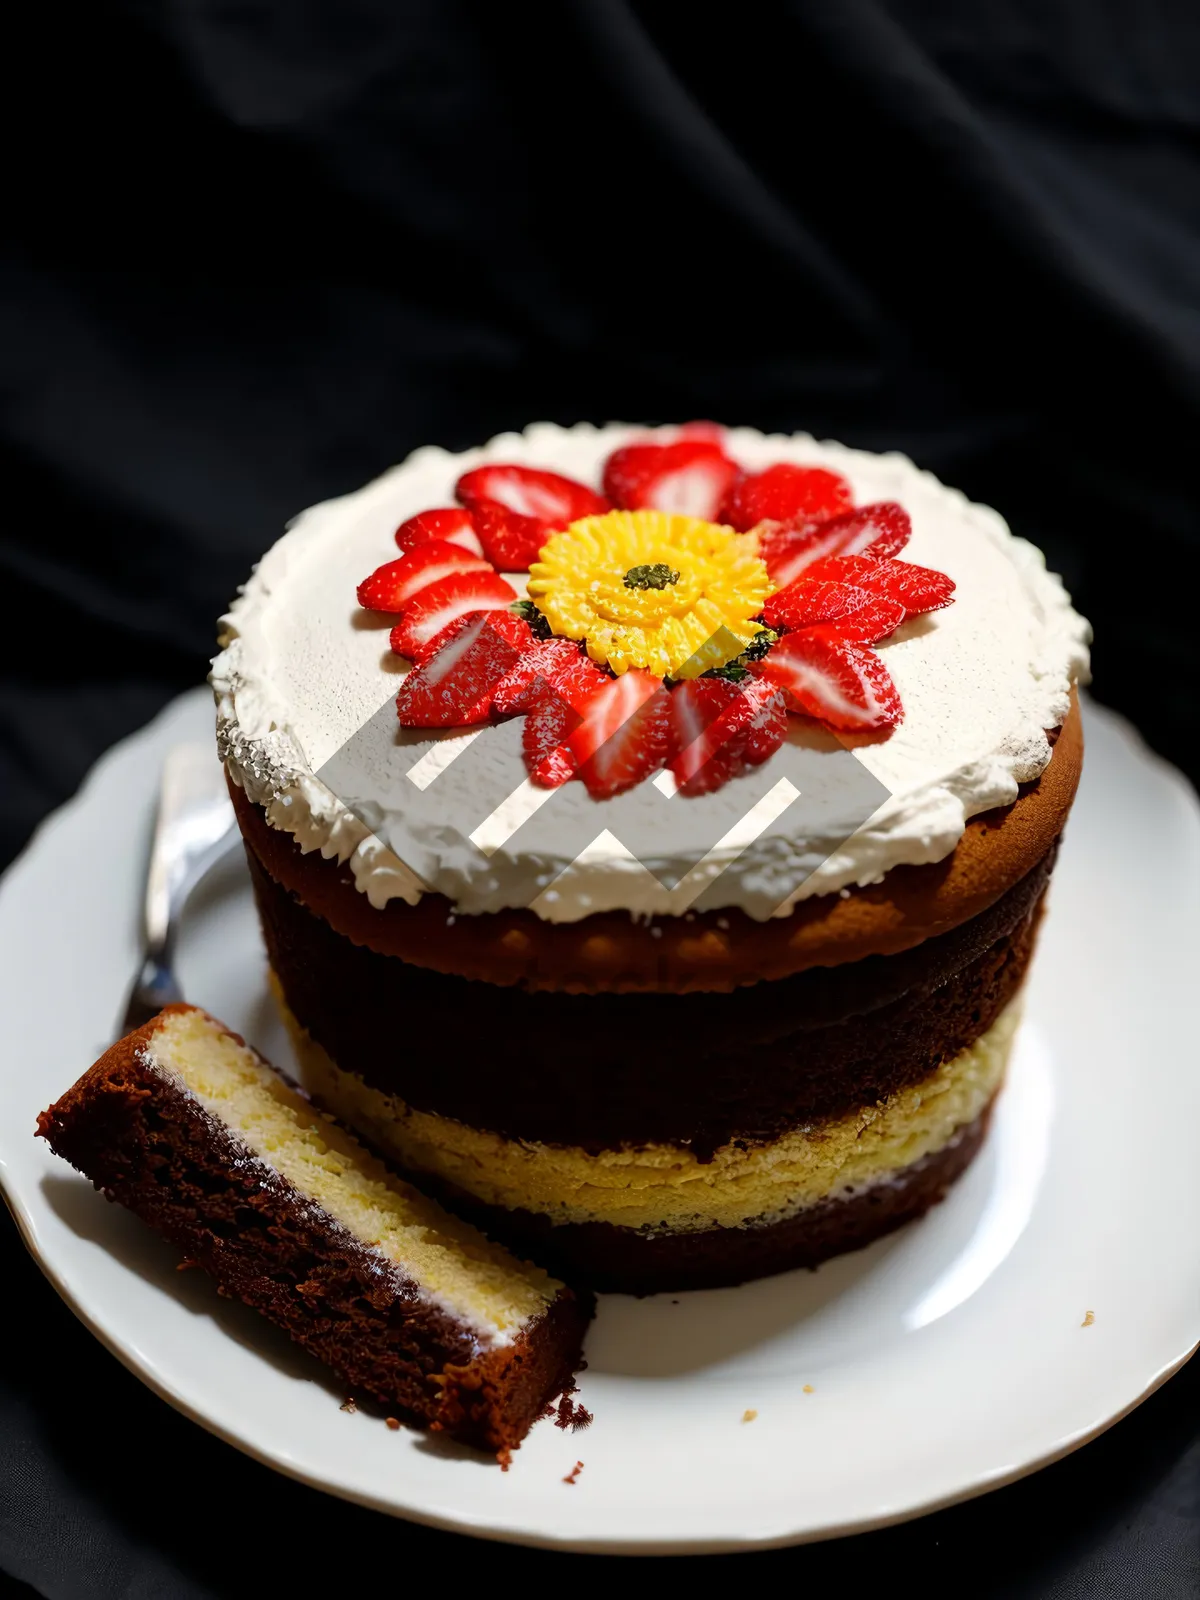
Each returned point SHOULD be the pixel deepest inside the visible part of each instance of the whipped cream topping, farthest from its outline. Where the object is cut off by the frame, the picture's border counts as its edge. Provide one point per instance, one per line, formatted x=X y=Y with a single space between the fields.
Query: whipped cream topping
x=303 y=671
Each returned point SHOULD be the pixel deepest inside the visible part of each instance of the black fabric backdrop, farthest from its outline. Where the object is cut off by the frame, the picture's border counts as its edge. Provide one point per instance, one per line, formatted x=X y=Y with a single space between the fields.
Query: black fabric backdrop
x=255 y=252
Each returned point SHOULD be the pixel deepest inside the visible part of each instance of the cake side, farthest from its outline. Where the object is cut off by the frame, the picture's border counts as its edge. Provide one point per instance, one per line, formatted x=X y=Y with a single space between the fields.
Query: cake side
x=695 y=1069
x=622 y=1260
x=650 y=1219
x=611 y=952
x=187 y=1127
x=659 y=1188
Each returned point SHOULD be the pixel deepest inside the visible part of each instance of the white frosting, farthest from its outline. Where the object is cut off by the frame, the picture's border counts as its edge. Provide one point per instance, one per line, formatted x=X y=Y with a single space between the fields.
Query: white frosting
x=303 y=669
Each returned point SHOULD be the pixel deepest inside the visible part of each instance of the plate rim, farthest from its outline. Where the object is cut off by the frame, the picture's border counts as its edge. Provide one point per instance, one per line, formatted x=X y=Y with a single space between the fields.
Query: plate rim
x=466 y=1522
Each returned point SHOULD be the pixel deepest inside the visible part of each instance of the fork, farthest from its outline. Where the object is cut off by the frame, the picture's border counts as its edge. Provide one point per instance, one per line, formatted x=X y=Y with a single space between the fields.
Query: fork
x=193 y=830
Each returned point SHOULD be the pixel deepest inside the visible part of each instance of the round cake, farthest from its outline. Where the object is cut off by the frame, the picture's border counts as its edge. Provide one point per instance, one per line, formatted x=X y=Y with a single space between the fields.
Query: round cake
x=650 y=831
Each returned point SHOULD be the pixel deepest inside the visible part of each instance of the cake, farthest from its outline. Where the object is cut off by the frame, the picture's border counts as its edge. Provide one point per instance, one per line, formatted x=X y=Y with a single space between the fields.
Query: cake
x=193 y=1131
x=651 y=849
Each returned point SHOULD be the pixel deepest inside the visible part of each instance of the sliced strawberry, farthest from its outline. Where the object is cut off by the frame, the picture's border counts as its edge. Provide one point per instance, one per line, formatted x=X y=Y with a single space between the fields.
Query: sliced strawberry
x=852 y=612
x=883 y=528
x=792 y=548
x=713 y=432
x=516 y=509
x=401 y=581
x=843 y=685
x=719 y=728
x=554 y=714
x=689 y=476
x=533 y=674
x=544 y=735
x=767 y=726
x=378 y=592
x=452 y=524
x=510 y=542
x=547 y=497
x=551 y=664
x=454 y=686
x=504 y=622
x=625 y=733
x=917 y=589
x=510 y=626
x=699 y=738
x=785 y=492
x=444 y=602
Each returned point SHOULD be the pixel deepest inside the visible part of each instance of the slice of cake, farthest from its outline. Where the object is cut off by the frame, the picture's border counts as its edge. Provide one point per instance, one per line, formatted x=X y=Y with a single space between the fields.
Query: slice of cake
x=193 y=1131
x=695 y=793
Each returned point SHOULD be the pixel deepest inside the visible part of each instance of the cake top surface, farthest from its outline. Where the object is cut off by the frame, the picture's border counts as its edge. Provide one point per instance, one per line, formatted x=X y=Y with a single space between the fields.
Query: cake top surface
x=307 y=684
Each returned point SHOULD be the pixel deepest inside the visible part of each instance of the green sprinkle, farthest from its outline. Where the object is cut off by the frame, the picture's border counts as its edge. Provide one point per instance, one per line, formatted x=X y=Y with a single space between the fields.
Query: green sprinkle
x=528 y=612
x=655 y=576
x=738 y=668
x=759 y=645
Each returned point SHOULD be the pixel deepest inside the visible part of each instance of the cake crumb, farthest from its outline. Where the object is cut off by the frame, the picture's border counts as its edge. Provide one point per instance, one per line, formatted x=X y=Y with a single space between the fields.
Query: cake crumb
x=808 y=1389
x=348 y=1404
x=572 y=1414
x=185 y=1265
x=573 y=1475
x=1088 y=1318
x=748 y=1415
x=393 y=1423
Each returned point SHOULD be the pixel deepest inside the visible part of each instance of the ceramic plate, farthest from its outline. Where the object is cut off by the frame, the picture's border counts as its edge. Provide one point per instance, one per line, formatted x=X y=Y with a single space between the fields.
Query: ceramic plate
x=1057 y=1287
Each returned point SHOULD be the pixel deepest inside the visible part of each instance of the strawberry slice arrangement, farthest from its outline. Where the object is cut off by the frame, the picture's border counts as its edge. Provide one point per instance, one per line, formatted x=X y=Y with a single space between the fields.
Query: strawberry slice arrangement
x=514 y=508
x=689 y=475
x=721 y=728
x=835 y=587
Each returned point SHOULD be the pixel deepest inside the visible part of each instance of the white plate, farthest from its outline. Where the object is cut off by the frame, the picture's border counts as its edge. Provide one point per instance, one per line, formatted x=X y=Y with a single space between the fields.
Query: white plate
x=944 y=1361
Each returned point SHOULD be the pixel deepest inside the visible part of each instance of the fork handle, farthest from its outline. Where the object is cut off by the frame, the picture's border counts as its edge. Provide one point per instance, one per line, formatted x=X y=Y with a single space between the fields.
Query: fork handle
x=153 y=988
x=193 y=783
x=193 y=828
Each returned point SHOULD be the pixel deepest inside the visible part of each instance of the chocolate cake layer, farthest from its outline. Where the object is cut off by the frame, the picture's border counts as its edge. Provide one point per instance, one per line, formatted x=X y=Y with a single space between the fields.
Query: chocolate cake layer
x=620 y=1260
x=600 y=1071
x=150 y=1145
x=709 y=951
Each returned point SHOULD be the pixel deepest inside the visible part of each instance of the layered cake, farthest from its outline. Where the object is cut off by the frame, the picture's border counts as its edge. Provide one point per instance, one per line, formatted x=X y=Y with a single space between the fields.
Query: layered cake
x=650 y=831
x=194 y=1132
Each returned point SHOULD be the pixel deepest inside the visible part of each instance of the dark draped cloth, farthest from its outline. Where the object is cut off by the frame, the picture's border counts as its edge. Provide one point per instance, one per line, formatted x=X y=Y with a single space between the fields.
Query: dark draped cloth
x=255 y=252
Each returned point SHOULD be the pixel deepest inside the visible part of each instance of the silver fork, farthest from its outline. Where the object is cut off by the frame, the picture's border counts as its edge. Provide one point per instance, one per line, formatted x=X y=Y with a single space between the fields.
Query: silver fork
x=194 y=829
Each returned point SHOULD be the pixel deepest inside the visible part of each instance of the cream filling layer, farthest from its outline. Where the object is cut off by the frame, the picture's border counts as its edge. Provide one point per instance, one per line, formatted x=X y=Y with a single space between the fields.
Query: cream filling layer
x=661 y=1188
x=450 y=1262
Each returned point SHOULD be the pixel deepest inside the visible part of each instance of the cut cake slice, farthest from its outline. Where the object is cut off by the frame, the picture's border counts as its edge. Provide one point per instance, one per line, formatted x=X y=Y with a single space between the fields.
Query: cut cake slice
x=193 y=1131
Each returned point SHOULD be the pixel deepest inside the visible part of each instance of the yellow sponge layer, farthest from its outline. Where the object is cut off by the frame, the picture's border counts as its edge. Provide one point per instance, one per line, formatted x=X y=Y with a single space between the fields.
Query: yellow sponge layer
x=662 y=1187
x=453 y=1263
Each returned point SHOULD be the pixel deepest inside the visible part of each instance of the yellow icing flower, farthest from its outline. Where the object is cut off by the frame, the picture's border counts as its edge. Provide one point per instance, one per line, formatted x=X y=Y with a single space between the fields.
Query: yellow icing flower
x=650 y=589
